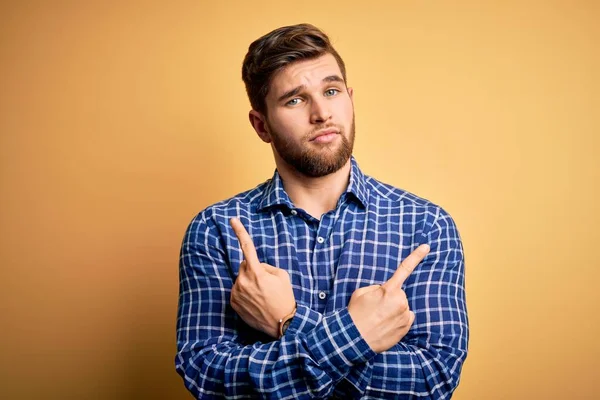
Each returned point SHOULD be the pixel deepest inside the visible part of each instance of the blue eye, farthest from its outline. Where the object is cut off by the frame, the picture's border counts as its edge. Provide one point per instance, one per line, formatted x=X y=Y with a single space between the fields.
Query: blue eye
x=293 y=102
x=331 y=92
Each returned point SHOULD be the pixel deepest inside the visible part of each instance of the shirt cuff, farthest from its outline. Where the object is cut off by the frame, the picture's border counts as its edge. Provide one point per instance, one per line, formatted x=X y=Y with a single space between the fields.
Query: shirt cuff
x=305 y=320
x=336 y=345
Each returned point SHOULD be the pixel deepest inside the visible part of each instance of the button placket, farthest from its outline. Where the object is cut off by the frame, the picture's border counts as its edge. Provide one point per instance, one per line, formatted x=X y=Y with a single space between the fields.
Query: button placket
x=321 y=257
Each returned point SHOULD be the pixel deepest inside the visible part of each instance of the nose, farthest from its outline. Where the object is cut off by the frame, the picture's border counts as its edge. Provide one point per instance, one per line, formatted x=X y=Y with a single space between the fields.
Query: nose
x=320 y=111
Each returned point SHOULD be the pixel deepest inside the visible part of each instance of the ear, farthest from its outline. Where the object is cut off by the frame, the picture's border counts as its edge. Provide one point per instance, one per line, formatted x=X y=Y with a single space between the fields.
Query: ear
x=257 y=120
x=351 y=93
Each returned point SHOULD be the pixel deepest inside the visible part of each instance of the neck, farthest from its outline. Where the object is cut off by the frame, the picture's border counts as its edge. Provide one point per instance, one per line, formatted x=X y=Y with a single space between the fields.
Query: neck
x=314 y=195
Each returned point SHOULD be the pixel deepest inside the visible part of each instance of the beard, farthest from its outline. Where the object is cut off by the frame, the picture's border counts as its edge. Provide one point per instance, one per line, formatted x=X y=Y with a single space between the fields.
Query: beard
x=315 y=160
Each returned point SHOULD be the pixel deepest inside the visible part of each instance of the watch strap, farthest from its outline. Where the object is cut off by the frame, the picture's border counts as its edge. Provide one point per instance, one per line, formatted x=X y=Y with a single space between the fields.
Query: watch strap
x=285 y=322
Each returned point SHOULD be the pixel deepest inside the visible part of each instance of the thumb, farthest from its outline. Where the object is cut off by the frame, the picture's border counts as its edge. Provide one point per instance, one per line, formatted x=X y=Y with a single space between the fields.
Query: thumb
x=270 y=269
x=275 y=271
x=365 y=290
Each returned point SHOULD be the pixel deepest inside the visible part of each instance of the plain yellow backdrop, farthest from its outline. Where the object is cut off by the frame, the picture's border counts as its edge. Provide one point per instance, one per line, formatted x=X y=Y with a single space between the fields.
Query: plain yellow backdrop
x=119 y=121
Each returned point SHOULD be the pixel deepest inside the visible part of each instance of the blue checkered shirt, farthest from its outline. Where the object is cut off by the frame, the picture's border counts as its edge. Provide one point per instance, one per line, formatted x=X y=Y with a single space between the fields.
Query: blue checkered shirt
x=361 y=242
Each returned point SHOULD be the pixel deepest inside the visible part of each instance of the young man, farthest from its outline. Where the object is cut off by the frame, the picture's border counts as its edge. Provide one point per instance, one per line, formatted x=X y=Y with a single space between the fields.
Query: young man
x=303 y=287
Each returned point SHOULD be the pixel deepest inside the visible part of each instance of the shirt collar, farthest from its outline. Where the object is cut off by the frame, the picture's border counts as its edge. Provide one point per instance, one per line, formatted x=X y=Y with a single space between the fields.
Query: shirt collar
x=274 y=193
x=358 y=185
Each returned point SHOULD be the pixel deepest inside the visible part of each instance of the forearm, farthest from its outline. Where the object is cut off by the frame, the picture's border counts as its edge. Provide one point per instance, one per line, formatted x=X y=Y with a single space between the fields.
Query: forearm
x=299 y=365
x=425 y=367
x=217 y=355
x=426 y=364
x=415 y=371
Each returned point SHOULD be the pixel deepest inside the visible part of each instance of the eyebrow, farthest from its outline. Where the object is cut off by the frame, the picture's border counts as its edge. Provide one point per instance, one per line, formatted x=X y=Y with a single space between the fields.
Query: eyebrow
x=333 y=78
x=297 y=89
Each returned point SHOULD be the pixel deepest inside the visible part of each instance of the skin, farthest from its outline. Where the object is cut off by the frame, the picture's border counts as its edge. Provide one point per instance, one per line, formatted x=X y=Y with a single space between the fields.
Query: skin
x=319 y=104
x=262 y=293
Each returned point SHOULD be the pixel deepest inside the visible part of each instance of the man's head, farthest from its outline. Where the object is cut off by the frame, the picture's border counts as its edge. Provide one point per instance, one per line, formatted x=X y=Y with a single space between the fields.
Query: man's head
x=296 y=83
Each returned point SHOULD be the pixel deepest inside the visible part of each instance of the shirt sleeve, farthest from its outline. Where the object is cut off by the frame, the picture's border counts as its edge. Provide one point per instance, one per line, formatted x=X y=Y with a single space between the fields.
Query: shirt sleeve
x=426 y=364
x=215 y=357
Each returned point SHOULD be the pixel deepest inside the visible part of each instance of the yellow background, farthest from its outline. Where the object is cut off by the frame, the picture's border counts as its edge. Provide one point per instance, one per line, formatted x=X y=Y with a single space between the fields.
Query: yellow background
x=119 y=122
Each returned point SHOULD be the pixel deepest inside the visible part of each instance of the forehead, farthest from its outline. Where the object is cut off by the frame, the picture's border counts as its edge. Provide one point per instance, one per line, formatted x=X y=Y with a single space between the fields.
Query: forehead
x=306 y=72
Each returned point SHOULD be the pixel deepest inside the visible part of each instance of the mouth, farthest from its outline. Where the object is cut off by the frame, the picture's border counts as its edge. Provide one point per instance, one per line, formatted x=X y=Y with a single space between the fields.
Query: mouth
x=324 y=134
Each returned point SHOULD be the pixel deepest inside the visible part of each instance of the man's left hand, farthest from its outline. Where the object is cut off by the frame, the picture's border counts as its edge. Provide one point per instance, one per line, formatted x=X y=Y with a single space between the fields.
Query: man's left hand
x=262 y=294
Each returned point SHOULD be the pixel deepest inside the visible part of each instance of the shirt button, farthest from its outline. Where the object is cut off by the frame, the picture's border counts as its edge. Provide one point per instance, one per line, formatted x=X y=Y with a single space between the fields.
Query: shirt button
x=294 y=212
x=322 y=295
x=320 y=240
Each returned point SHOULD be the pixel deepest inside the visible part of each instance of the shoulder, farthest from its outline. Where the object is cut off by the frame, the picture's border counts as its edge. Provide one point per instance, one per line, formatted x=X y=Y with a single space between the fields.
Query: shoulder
x=426 y=214
x=384 y=192
x=213 y=218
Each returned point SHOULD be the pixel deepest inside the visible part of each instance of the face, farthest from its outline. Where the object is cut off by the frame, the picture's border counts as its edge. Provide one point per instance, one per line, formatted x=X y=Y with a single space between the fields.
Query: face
x=310 y=117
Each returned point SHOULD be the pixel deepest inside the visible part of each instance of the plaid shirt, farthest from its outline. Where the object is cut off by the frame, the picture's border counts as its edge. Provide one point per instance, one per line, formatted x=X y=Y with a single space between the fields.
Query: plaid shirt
x=361 y=242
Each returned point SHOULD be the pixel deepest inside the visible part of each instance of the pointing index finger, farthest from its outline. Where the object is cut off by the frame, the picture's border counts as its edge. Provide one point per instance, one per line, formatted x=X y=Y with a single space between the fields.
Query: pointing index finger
x=407 y=266
x=245 y=242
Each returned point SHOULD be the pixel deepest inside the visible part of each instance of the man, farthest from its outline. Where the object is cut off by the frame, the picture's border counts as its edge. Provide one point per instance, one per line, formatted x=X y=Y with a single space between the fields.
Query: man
x=303 y=287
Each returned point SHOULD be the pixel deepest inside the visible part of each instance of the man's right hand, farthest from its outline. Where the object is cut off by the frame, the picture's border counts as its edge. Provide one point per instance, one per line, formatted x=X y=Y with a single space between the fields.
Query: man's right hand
x=380 y=312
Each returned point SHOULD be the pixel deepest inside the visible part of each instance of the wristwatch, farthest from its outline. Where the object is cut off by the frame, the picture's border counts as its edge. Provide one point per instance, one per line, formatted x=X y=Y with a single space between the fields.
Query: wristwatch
x=285 y=322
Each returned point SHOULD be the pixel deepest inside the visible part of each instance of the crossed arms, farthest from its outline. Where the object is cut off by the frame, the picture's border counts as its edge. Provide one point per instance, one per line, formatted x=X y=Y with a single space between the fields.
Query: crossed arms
x=364 y=349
